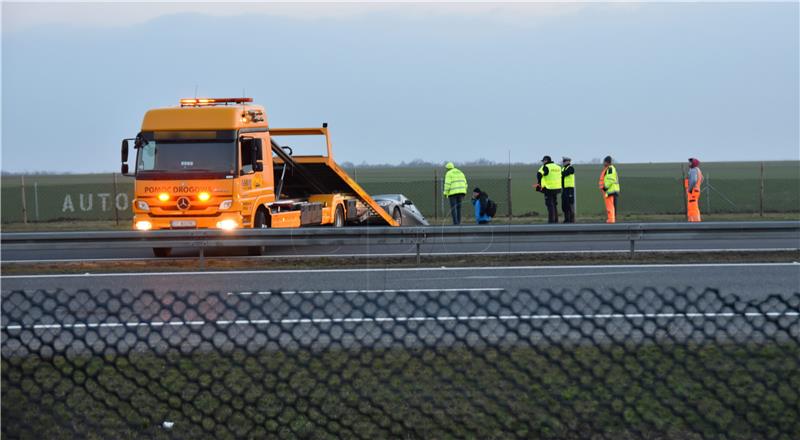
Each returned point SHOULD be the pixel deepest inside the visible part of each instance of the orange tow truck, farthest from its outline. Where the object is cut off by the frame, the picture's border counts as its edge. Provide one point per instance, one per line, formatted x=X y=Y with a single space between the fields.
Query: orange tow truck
x=216 y=163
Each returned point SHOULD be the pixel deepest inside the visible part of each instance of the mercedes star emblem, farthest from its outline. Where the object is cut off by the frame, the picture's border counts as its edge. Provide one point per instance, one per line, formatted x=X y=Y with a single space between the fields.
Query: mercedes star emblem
x=183 y=203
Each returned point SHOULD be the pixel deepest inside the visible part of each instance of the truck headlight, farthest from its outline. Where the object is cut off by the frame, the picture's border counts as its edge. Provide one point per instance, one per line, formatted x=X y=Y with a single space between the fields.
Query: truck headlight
x=142 y=205
x=144 y=225
x=226 y=204
x=227 y=225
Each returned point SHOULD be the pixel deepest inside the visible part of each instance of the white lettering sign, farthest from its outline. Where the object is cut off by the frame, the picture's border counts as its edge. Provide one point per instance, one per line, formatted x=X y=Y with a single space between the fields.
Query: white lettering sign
x=122 y=202
x=104 y=201
x=67 y=205
x=86 y=202
x=88 y=205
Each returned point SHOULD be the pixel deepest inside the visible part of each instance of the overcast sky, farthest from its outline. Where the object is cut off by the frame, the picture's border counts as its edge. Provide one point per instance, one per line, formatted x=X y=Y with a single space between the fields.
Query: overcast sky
x=644 y=83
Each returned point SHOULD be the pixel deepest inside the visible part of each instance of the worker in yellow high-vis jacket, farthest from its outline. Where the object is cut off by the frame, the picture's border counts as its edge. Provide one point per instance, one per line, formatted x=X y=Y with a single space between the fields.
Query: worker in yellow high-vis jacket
x=548 y=181
x=609 y=186
x=568 y=190
x=455 y=188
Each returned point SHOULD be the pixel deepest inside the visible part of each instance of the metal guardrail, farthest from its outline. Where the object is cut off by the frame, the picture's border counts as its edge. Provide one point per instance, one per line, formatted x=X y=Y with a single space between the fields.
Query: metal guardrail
x=316 y=236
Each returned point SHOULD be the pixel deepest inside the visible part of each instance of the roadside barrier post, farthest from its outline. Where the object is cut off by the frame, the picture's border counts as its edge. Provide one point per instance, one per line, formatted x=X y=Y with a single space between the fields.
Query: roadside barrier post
x=24 y=206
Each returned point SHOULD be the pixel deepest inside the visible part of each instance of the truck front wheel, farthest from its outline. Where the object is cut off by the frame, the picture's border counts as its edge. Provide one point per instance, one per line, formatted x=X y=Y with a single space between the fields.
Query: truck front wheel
x=162 y=252
x=260 y=221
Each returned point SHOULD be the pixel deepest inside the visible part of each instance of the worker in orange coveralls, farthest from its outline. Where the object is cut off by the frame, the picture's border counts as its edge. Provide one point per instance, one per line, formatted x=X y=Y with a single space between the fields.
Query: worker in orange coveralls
x=692 y=184
x=609 y=186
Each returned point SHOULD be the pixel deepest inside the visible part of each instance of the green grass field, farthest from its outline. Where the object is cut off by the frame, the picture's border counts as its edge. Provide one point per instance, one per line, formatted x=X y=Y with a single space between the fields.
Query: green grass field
x=647 y=189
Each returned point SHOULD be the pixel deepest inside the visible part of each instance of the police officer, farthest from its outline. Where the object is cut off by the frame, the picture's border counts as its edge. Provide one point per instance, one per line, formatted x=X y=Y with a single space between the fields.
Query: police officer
x=455 y=188
x=568 y=190
x=609 y=187
x=548 y=181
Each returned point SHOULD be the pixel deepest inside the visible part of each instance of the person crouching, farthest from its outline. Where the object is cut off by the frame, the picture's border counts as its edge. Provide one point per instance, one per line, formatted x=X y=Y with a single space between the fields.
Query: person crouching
x=480 y=200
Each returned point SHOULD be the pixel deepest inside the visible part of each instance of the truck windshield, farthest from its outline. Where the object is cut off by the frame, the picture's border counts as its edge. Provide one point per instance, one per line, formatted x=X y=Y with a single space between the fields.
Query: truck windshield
x=183 y=156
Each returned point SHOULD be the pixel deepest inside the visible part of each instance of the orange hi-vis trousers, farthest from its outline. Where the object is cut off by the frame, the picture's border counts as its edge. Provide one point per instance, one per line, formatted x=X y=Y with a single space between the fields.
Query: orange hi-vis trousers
x=611 y=207
x=692 y=202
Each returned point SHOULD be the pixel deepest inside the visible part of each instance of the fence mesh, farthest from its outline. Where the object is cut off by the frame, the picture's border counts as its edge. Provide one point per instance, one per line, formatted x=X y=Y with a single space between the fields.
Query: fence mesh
x=671 y=364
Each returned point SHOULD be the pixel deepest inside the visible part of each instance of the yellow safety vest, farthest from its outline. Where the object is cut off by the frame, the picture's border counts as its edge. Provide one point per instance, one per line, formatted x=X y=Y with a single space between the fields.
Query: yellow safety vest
x=569 y=181
x=553 y=178
x=610 y=180
x=455 y=183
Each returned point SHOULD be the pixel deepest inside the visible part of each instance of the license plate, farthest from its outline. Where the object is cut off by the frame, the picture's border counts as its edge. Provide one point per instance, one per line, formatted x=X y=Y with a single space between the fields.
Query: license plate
x=184 y=223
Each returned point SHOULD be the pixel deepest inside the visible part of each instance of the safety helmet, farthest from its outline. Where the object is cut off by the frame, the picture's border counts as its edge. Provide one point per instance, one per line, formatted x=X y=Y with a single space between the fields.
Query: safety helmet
x=449 y=165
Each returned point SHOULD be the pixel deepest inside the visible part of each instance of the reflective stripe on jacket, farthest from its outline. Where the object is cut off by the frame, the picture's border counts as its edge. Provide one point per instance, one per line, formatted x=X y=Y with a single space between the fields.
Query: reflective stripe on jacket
x=455 y=183
x=552 y=179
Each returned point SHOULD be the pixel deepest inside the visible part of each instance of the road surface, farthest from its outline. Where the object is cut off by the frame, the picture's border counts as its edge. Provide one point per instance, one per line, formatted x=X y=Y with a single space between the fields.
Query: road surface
x=382 y=307
x=451 y=249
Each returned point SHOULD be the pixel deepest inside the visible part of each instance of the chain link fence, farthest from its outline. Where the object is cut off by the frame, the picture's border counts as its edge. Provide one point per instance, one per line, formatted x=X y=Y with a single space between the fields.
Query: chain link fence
x=670 y=364
x=647 y=189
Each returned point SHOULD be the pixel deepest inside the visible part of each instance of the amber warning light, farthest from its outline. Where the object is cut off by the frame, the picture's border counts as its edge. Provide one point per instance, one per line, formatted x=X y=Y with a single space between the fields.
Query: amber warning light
x=213 y=101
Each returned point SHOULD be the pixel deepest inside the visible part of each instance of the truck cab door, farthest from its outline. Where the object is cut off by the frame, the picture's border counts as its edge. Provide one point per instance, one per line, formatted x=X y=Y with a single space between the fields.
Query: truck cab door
x=255 y=187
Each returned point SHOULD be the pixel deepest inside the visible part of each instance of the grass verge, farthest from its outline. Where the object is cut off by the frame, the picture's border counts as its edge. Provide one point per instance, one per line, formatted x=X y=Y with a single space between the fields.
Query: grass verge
x=274 y=263
x=645 y=391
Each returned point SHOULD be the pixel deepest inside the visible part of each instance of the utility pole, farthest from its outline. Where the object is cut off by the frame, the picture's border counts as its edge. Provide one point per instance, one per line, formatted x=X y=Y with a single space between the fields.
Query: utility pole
x=116 y=211
x=761 y=196
x=508 y=189
x=435 y=194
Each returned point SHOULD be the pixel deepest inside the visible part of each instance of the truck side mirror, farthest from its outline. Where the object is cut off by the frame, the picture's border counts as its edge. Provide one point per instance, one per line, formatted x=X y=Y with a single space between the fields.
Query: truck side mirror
x=124 y=169
x=258 y=165
x=124 y=150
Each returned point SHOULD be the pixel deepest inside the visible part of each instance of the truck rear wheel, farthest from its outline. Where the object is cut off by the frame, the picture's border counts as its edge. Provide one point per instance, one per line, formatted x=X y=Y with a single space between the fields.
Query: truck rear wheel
x=260 y=221
x=162 y=252
x=338 y=217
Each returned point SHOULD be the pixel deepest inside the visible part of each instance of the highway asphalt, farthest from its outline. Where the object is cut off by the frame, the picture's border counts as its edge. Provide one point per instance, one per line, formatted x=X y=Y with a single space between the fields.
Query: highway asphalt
x=751 y=281
x=337 y=251
x=388 y=307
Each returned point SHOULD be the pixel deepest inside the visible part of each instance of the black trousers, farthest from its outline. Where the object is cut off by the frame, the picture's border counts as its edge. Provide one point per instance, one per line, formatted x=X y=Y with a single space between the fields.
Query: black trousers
x=455 y=207
x=568 y=204
x=551 y=201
